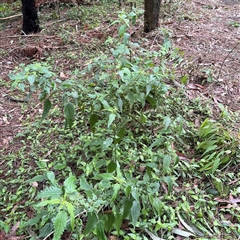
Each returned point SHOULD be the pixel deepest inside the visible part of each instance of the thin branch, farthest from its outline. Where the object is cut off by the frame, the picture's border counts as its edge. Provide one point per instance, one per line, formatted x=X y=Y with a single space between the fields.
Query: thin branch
x=10 y=17
x=225 y=59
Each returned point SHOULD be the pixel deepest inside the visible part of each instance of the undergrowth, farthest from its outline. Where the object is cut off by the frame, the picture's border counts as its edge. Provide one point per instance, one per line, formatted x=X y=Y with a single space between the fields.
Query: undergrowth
x=116 y=153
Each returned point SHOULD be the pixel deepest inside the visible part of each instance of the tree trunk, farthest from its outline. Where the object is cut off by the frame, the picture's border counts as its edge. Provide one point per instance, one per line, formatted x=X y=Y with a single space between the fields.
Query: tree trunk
x=30 y=17
x=151 y=14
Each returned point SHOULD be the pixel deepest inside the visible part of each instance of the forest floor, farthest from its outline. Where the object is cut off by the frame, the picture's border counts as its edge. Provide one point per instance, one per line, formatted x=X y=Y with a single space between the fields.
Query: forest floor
x=207 y=31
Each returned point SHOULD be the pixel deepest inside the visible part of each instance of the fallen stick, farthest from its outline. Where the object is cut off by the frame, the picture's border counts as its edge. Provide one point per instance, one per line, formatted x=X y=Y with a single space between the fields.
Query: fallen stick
x=10 y=17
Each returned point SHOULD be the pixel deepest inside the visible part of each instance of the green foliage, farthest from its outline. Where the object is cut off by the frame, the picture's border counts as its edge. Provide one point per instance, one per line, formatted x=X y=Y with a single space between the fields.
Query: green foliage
x=35 y=77
x=124 y=164
x=7 y=9
x=60 y=206
x=216 y=145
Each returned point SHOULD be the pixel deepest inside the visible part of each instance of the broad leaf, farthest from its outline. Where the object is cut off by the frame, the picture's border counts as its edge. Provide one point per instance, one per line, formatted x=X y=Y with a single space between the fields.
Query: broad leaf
x=100 y=231
x=127 y=204
x=51 y=177
x=168 y=180
x=69 y=114
x=46 y=108
x=45 y=230
x=121 y=133
x=116 y=188
x=111 y=118
x=111 y=167
x=109 y=223
x=69 y=184
x=60 y=224
x=135 y=212
x=93 y=121
x=84 y=184
x=70 y=209
x=122 y=30
x=118 y=222
x=91 y=223
x=107 y=143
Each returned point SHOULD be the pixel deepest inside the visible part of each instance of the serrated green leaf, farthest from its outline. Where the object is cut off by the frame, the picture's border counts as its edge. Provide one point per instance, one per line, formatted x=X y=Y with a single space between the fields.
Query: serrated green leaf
x=135 y=212
x=100 y=231
x=109 y=222
x=118 y=222
x=70 y=209
x=50 y=192
x=45 y=230
x=91 y=223
x=60 y=224
x=49 y=202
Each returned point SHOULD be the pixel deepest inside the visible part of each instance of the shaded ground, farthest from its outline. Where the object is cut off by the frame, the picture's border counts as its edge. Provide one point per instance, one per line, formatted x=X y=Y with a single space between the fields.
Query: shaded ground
x=208 y=32
x=211 y=41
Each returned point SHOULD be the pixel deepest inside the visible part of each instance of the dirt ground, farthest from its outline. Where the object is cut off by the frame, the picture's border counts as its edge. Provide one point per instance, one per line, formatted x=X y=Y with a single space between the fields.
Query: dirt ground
x=207 y=31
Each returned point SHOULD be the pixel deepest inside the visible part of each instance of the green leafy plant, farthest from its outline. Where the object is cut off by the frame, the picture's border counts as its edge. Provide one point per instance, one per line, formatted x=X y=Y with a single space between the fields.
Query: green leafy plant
x=132 y=165
x=39 y=77
x=216 y=146
x=58 y=200
x=34 y=76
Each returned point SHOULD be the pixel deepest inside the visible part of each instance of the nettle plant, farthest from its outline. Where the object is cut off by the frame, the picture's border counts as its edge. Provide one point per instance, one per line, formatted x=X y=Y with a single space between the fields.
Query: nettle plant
x=38 y=78
x=124 y=155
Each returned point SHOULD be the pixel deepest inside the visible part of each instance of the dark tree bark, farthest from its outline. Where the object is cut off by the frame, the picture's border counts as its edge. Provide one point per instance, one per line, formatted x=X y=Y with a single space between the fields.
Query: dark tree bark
x=30 y=17
x=151 y=14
